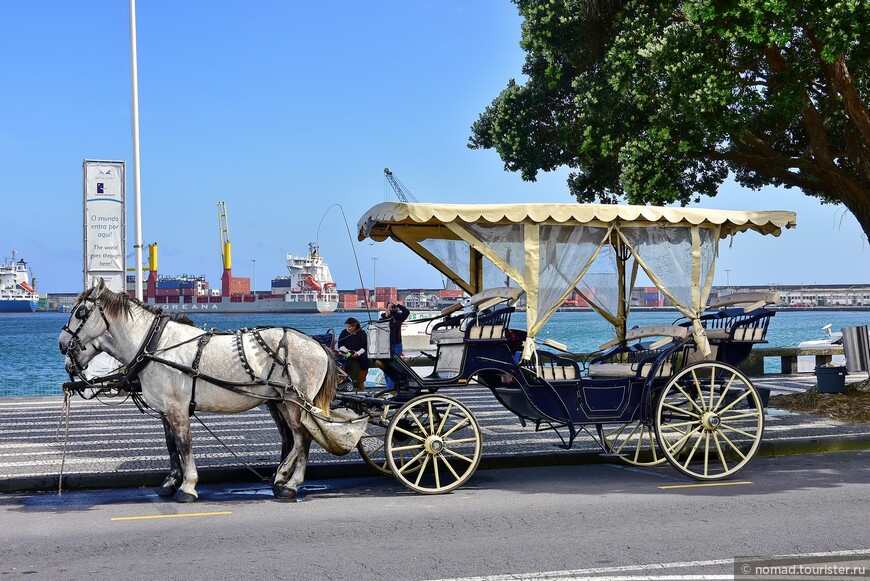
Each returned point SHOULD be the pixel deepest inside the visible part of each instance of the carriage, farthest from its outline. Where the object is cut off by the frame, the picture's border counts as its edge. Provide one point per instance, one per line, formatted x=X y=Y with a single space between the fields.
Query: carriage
x=668 y=393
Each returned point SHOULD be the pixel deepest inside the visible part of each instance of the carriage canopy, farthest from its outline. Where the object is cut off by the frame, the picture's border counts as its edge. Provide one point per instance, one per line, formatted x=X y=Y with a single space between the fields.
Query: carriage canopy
x=553 y=250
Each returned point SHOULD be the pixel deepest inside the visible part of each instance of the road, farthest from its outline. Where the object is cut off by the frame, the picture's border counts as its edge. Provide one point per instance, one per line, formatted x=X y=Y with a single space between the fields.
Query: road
x=609 y=521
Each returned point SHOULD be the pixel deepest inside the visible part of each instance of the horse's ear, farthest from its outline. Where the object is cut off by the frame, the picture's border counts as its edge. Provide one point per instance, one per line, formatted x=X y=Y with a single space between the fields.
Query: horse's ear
x=101 y=286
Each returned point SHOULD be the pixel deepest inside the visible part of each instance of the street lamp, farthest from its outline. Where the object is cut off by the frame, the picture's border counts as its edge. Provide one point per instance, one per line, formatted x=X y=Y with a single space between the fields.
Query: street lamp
x=254 y=277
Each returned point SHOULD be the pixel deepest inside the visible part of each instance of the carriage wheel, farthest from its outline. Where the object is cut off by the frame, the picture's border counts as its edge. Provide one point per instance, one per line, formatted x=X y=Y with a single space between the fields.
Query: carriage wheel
x=635 y=443
x=444 y=439
x=709 y=421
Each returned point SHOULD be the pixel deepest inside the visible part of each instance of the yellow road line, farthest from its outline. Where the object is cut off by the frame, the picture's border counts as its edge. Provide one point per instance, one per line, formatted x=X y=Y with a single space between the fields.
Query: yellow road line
x=170 y=515
x=702 y=485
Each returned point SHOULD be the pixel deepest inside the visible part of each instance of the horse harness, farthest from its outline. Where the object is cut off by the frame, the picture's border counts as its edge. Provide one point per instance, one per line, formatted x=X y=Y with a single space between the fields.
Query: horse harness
x=147 y=353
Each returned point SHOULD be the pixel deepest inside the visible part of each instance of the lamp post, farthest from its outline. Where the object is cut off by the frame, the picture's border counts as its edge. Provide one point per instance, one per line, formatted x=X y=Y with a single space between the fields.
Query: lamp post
x=254 y=277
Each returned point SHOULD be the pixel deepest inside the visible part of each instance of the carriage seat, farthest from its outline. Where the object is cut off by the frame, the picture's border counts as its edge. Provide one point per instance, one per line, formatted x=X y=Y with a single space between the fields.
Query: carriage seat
x=631 y=361
x=551 y=367
x=740 y=317
x=447 y=336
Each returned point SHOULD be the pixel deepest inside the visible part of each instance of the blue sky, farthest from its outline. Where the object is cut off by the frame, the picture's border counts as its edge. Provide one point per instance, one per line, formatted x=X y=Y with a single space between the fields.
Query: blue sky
x=282 y=109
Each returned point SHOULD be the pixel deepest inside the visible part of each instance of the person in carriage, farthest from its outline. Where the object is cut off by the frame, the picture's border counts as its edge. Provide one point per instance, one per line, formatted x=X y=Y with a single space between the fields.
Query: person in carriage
x=352 y=343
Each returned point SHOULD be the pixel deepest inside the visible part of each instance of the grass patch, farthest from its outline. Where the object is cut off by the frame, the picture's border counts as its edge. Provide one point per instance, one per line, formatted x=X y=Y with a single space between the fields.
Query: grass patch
x=853 y=405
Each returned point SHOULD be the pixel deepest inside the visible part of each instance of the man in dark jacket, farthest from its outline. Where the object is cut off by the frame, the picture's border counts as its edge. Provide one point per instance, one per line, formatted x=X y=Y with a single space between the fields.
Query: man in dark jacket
x=396 y=315
x=352 y=343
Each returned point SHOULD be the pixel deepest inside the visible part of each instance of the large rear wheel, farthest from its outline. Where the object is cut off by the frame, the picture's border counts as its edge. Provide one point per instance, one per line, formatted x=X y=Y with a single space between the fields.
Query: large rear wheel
x=433 y=444
x=709 y=421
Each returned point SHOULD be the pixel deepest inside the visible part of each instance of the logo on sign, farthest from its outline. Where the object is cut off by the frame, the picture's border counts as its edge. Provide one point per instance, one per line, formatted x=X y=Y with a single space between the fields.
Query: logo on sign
x=100 y=188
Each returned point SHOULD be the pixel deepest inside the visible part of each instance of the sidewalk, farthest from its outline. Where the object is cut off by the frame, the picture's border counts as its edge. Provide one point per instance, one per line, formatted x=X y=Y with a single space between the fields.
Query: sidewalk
x=116 y=445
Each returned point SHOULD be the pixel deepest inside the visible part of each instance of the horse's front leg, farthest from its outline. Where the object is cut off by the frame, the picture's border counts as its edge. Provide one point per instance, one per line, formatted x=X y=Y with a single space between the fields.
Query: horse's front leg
x=173 y=479
x=291 y=471
x=179 y=426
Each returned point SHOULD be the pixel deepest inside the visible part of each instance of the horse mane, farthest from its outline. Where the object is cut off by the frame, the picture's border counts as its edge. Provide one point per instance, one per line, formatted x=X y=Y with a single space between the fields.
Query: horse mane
x=118 y=304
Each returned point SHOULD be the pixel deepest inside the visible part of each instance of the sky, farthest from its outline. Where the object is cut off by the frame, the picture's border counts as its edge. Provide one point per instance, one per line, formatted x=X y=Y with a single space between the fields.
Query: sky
x=289 y=112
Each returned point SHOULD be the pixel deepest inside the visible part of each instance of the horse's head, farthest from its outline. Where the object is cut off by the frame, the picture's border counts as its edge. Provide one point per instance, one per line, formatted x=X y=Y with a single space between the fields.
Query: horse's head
x=86 y=332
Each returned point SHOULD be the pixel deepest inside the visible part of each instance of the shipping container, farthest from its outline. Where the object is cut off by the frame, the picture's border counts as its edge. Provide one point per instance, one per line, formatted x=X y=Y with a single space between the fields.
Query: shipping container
x=448 y=293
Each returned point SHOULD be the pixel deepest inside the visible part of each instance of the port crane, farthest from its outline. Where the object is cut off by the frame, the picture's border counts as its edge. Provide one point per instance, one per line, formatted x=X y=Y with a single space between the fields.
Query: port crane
x=401 y=191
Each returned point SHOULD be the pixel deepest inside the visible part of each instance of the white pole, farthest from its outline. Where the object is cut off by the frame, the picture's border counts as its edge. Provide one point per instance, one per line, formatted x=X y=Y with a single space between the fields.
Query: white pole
x=137 y=202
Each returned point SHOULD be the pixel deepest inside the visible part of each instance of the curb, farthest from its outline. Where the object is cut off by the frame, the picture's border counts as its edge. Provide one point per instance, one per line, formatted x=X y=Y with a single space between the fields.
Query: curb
x=150 y=479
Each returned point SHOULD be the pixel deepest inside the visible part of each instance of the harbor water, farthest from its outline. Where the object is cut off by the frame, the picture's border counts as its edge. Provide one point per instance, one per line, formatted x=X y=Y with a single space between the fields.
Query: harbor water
x=30 y=363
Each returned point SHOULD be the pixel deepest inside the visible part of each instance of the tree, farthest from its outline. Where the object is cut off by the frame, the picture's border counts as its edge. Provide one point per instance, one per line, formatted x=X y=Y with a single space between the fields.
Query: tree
x=657 y=101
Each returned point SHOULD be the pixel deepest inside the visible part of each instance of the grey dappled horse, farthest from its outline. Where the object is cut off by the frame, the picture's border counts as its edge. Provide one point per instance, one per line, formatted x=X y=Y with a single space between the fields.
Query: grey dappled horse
x=182 y=368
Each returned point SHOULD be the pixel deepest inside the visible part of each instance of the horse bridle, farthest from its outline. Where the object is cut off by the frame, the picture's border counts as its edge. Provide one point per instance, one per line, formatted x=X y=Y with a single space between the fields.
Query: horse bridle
x=82 y=312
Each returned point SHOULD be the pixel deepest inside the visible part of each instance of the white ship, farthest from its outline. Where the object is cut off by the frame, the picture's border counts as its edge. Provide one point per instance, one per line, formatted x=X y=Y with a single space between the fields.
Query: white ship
x=16 y=293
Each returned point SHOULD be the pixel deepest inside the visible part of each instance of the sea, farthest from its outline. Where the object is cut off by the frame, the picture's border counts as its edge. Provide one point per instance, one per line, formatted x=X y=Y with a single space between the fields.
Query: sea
x=31 y=364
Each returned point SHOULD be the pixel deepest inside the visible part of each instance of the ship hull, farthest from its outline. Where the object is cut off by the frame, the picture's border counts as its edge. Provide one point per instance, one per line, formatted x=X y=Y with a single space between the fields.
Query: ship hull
x=259 y=306
x=18 y=306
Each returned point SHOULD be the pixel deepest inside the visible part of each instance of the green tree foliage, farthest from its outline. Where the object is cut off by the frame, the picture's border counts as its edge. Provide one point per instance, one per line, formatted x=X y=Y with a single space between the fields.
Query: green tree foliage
x=657 y=101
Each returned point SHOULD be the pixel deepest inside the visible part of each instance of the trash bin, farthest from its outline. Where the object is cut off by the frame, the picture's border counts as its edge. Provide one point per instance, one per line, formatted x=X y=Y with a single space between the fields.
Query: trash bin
x=856 y=348
x=831 y=379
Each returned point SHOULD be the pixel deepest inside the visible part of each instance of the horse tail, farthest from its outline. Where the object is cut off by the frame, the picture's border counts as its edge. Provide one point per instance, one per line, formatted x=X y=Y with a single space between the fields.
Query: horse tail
x=330 y=382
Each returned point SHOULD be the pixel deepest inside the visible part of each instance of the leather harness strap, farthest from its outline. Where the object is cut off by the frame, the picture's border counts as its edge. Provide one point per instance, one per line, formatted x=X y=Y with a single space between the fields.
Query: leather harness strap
x=203 y=341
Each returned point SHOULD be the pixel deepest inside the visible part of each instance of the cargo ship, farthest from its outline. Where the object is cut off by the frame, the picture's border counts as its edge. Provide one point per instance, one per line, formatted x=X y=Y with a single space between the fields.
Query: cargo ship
x=17 y=295
x=308 y=288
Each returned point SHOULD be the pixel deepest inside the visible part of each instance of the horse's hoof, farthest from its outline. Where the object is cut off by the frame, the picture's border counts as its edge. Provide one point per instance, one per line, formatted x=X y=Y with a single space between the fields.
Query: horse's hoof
x=167 y=490
x=283 y=492
x=185 y=497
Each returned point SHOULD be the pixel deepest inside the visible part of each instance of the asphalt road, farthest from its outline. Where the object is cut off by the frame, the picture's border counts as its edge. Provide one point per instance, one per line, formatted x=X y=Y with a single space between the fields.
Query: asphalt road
x=546 y=523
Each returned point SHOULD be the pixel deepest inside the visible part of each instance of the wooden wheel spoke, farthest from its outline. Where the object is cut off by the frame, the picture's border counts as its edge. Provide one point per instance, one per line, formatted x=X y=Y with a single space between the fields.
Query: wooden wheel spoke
x=682 y=441
x=696 y=382
x=419 y=425
x=733 y=447
x=724 y=391
x=435 y=470
x=411 y=434
x=461 y=440
x=739 y=416
x=444 y=419
x=743 y=396
x=692 y=453
x=719 y=451
x=683 y=411
x=675 y=425
x=410 y=463
x=707 y=453
x=458 y=455
x=449 y=467
x=464 y=422
x=688 y=399
x=639 y=447
x=407 y=448
x=422 y=470
x=724 y=426
x=431 y=417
